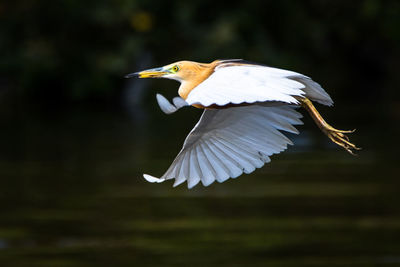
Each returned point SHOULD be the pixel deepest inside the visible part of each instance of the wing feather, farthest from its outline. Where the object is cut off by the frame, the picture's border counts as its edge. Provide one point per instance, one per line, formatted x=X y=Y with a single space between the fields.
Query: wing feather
x=236 y=84
x=194 y=170
x=223 y=173
x=236 y=145
x=259 y=145
x=167 y=107
x=181 y=170
x=228 y=142
x=205 y=168
x=230 y=164
x=240 y=161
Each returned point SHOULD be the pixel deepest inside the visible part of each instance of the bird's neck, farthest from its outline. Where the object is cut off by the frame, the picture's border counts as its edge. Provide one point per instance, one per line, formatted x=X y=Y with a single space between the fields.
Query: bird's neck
x=197 y=75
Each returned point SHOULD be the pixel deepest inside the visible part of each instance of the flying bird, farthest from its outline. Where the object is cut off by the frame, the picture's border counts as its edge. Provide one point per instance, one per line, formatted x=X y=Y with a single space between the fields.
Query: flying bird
x=246 y=106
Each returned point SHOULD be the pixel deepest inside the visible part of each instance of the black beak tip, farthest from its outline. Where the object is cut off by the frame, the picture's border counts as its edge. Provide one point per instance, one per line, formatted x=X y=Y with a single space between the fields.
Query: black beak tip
x=130 y=75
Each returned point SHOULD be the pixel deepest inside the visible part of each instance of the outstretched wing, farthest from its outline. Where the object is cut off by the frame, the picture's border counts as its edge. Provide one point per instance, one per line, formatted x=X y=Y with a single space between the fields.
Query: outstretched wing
x=167 y=107
x=227 y=142
x=237 y=83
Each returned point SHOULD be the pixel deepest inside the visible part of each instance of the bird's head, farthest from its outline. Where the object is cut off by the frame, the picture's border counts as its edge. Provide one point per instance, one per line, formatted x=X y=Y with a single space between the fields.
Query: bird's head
x=181 y=71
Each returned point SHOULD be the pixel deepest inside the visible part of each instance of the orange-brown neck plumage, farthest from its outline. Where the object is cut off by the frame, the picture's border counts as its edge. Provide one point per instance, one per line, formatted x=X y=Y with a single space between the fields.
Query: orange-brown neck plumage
x=192 y=74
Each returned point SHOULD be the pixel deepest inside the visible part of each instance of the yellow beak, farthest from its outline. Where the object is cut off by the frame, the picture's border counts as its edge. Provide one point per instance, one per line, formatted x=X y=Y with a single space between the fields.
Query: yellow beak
x=151 y=73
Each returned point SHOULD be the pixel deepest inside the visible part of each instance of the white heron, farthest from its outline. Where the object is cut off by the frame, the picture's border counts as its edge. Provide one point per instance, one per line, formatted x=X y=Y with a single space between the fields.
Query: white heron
x=246 y=105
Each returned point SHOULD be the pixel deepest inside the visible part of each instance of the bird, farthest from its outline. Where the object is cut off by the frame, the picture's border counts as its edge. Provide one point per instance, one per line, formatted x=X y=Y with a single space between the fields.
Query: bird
x=246 y=106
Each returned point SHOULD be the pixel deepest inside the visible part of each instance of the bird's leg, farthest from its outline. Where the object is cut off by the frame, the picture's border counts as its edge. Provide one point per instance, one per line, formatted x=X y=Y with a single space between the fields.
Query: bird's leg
x=337 y=136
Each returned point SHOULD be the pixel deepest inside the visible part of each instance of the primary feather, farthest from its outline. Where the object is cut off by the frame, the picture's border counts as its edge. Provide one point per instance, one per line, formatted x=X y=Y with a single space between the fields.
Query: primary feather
x=227 y=142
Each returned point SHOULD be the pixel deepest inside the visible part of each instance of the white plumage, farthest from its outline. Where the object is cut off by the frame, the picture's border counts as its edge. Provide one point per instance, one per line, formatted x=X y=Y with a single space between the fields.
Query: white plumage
x=167 y=107
x=228 y=142
x=254 y=83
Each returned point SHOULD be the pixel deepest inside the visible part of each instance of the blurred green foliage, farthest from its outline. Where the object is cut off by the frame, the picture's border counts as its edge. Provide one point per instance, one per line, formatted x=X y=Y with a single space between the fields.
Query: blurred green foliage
x=66 y=51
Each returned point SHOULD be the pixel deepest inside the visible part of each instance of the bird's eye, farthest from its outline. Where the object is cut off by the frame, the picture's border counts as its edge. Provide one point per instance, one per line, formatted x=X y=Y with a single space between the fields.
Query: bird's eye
x=175 y=68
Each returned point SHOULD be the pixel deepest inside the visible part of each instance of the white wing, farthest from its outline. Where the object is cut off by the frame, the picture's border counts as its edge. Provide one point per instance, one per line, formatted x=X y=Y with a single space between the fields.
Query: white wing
x=227 y=142
x=254 y=83
x=169 y=108
x=179 y=102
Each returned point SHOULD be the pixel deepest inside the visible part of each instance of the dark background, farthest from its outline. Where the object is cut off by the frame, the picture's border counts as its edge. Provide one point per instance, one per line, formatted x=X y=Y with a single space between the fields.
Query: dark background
x=76 y=136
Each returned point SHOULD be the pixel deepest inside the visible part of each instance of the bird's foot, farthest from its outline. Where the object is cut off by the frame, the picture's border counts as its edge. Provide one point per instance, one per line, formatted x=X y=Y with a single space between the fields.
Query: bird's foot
x=339 y=137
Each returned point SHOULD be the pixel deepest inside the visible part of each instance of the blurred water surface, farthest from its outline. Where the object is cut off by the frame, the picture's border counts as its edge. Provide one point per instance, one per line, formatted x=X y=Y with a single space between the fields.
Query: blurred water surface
x=72 y=195
x=75 y=137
